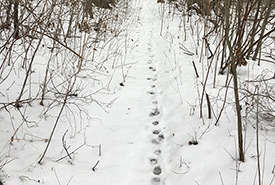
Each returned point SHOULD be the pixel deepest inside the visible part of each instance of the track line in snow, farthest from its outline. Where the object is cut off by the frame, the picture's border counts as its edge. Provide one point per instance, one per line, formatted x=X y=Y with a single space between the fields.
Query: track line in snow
x=156 y=133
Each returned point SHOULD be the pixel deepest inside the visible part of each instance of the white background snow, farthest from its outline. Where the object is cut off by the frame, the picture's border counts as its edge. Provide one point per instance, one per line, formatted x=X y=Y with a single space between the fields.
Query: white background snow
x=142 y=136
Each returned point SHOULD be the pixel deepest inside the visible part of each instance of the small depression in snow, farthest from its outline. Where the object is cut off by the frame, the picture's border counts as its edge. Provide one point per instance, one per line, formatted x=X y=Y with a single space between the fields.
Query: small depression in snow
x=153 y=161
x=155 y=112
x=155 y=123
x=151 y=92
x=161 y=137
x=155 y=180
x=157 y=152
x=157 y=170
x=155 y=141
x=156 y=132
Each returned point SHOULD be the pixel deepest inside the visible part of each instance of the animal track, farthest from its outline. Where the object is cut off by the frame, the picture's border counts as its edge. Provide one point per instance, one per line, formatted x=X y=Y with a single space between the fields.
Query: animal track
x=155 y=112
x=155 y=123
x=154 y=161
x=157 y=152
x=160 y=137
x=157 y=170
x=155 y=102
x=156 y=132
x=155 y=180
x=153 y=79
x=151 y=92
x=155 y=141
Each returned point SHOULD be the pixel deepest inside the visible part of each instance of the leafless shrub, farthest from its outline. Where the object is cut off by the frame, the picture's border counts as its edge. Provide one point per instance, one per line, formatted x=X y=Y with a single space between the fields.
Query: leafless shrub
x=72 y=40
x=266 y=110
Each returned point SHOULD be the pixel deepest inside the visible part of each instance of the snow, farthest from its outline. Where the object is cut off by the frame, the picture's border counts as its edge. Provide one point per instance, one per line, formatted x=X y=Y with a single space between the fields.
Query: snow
x=160 y=85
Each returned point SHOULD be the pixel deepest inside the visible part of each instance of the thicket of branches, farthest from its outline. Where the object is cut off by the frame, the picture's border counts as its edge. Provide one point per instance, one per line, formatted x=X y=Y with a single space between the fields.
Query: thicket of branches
x=235 y=33
x=71 y=40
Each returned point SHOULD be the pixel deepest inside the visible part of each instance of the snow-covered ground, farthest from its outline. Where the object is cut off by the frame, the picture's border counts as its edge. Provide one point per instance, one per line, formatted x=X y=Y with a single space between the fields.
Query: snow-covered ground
x=147 y=132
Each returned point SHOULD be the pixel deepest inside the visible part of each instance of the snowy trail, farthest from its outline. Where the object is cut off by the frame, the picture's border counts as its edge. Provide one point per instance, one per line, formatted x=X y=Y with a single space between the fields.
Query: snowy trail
x=131 y=137
x=148 y=33
x=142 y=157
x=141 y=123
x=130 y=145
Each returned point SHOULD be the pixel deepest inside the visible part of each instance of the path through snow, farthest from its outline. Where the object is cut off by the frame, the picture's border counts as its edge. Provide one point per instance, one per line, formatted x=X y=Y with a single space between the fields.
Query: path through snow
x=152 y=117
x=140 y=96
x=134 y=140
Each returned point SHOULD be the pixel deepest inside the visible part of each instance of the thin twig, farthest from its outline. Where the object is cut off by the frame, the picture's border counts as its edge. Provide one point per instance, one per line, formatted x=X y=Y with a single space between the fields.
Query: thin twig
x=64 y=145
x=57 y=177
x=71 y=152
x=95 y=166
x=221 y=178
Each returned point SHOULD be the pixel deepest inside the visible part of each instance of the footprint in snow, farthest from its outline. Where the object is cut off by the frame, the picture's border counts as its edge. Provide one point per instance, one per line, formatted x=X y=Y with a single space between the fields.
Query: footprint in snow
x=151 y=92
x=156 y=132
x=155 y=123
x=160 y=137
x=155 y=112
x=153 y=161
x=155 y=141
x=153 y=86
x=153 y=79
x=157 y=152
x=155 y=180
x=155 y=102
x=157 y=170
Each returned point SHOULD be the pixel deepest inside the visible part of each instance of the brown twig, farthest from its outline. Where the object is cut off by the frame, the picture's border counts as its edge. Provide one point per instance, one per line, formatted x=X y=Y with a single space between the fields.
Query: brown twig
x=94 y=167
